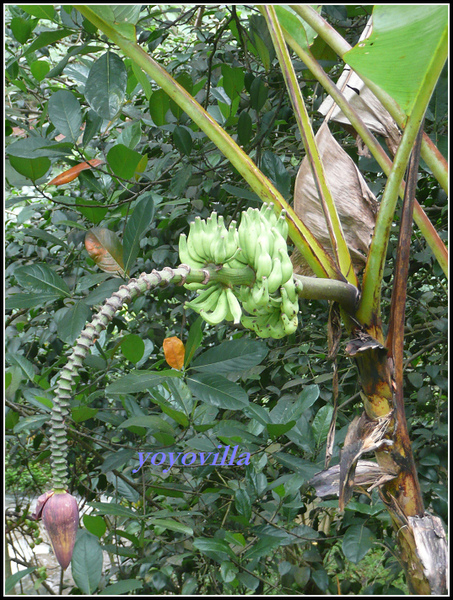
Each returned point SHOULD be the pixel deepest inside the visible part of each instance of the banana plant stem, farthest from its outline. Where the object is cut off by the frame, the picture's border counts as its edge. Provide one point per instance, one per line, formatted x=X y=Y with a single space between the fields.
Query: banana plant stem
x=421 y=219
x=430 y=154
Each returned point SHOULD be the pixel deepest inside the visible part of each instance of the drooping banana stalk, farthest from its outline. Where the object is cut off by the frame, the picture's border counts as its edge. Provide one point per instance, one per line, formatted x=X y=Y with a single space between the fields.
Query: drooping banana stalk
x=247 y=268
x=63 y=391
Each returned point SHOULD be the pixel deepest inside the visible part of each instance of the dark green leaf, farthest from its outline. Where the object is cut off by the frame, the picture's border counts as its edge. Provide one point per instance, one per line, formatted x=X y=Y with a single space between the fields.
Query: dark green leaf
x=31 y=300
x=356 y=542
x=136 y=228
x=138 y=381
x=11 y=581
x=159 y=104
x=22 y=28
x=244 y=128
x=243 y=503
x=106 y=84
x=123 y=161
x=149 y=422
x=258 y=94
x=86 y=563
x=40 y=277
x=276 y=430
x=235 y=356
x=33 y=168
x=66 y=114
x=218 y=550
x=273 y=167
x=72 y=321
x=132 y=347
x=42 y=11
x=121 y=587
x=218 y=391
x=182 y=139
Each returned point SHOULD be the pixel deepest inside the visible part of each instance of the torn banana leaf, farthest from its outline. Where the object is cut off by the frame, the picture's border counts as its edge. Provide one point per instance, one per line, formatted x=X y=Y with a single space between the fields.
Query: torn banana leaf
x=356 y=204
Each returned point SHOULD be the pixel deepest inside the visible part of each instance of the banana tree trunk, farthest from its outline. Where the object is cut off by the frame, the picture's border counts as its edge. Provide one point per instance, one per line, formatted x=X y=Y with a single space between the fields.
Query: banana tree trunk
x=421 y=538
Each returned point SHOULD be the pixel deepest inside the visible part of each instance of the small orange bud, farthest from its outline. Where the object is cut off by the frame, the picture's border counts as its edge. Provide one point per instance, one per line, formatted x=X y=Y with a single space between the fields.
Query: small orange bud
x=174 y=352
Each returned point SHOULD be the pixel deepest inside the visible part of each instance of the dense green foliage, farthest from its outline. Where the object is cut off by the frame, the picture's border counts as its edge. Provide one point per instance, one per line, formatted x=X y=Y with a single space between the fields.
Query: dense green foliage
x=252 y=528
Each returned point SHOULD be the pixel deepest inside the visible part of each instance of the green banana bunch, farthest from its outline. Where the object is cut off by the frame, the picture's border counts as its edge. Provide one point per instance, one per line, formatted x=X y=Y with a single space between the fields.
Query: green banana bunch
x=260 y=243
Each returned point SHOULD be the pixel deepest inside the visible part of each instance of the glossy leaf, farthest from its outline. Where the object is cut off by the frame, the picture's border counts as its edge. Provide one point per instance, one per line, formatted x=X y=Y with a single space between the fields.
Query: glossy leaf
x=11 y=581
x=105 y=248
x=39 y=69
x=216 y=549
x=40 y=277
x=29 y=300
x=172 y=525
x=182 y=139
x=136 y=227
x=33 y=168
x=233 y=80
x=258 y=93
x=397 y=55
x=86 y=563
x=106 y=84
x=293 y=25
x=235 y=356
x=356 y=542
x=273 y=167
x=149 y=422
x=321 y=423
x=218 y=391
x=132 y=347
x=72 y=321
x=244 y=128
x=66 y=114
x=95 y=524
x=159 y=105
x=43 y=11
x=121 y=587
x=138 y=381
x=123 y=161
x=22 y=28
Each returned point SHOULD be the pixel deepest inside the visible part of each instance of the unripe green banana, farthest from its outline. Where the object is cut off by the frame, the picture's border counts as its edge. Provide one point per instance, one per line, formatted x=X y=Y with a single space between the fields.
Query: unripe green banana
x=234 y=307
x=275 y=276
x=207 y=299
x=187 y=257
x=289 y=325
x=268 y=212
x=282 y=225
x=220 y=311
x=290 y=290
x=195 y=248
x=286 y=265
x=289 y=308
x=260 y=293
x=263 y=265
x=219 y=250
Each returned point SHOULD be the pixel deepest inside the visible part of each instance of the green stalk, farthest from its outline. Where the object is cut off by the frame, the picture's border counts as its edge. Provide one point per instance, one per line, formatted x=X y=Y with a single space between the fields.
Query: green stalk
x=315 y=255
x=334 y=227
x=424 y=224
x=369 y=308
x=430 y=153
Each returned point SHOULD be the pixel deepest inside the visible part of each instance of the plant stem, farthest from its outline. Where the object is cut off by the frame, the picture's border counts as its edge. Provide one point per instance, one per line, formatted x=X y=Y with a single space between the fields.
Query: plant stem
x=315 y=255
x=431 y=155
x=63 y=390
x=333 y=223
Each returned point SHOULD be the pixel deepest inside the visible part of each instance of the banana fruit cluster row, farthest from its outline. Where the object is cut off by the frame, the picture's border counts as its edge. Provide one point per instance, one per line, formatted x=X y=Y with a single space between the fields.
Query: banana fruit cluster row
x=270 y=305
